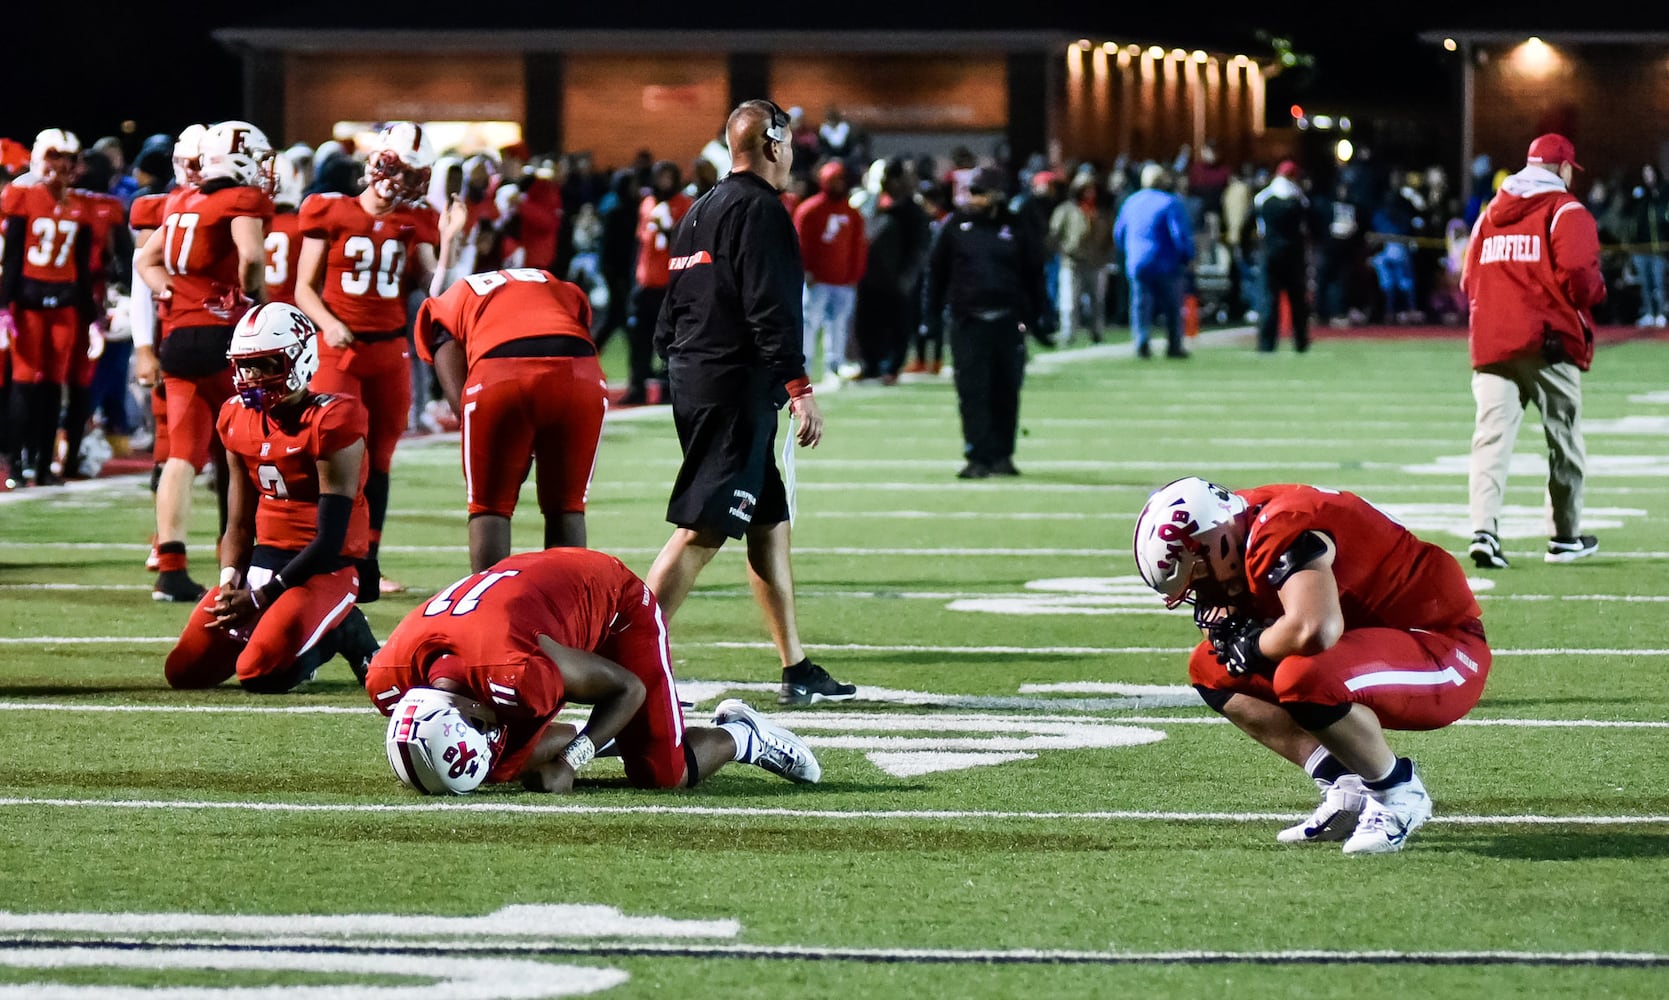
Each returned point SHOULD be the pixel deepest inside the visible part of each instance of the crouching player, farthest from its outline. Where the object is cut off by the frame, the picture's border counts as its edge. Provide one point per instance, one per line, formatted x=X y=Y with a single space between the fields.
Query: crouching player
x=1326 y=622
x=297 y=521
x=474 y=678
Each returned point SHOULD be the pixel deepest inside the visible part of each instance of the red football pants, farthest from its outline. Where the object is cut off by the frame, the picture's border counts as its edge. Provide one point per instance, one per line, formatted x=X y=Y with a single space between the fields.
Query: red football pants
x=293 y=624
x=193 y=408
x=1411 y=679
x=379 y=375
x=518 y=411
x=652 y=744
x=44 y=345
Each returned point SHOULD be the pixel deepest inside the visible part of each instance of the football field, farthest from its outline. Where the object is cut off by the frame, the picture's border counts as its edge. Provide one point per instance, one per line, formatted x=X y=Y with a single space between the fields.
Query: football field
x=1027 y=800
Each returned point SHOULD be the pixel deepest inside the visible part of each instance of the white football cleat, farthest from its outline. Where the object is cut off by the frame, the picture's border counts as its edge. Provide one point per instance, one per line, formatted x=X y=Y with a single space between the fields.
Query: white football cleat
x=778 y=751
x=1335 y=819
x=1389 y=817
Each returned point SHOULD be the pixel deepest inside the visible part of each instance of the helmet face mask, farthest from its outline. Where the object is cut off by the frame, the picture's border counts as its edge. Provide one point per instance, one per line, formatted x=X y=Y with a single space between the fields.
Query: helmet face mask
x=274 y=354
x=398 y=165
x=52 y=159
x=436 y=742
x=1190 y=544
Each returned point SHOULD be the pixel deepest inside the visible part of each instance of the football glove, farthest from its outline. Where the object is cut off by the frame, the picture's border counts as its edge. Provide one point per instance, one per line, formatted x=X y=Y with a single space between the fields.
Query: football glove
x=1234 y=641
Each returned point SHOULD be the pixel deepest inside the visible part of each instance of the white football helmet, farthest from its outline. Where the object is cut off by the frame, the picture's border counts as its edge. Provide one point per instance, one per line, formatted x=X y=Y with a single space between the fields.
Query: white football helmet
x=46 y=157
x=398 y=164
x=438 y=742
x=287 y=180
x=188 y=152
x=274 y=354
x=237 y=151
x=1191 y=544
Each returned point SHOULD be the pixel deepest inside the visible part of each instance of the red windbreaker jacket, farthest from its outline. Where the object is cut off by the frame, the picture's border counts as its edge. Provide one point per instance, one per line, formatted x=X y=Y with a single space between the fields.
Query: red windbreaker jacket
x=1532 y=270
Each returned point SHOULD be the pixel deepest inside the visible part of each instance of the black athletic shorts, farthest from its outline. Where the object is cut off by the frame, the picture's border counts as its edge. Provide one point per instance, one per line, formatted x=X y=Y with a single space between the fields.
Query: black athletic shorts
x=729 y=480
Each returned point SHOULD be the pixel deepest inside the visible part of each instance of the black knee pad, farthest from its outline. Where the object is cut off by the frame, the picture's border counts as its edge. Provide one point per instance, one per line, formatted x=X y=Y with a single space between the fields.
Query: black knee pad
x=692 y=770
x=1214 y=698
x=1313 y=717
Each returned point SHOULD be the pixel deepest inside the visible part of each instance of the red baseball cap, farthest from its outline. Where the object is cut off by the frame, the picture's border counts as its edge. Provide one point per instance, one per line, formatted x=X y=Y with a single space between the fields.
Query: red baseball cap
x=1288 y=169
x=1553 y=149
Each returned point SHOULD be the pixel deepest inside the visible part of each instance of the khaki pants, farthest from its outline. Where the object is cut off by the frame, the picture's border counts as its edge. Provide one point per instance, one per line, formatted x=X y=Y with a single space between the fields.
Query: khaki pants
x=1502 y=391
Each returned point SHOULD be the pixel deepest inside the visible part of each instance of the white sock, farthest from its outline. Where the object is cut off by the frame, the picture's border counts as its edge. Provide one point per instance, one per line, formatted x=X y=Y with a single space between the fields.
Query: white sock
x=747 y=744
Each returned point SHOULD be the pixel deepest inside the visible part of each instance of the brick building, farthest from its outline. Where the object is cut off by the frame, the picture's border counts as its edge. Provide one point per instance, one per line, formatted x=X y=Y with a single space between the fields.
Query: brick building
x=1607 y=91
x=614 y=92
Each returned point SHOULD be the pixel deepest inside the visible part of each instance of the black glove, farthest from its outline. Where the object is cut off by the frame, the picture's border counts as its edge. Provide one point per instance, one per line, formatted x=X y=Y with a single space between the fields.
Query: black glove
x=1234 y=641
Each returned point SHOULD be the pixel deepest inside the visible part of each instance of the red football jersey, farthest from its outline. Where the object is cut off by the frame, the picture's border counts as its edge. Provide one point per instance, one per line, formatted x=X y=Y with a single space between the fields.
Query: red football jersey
x=656 y=222
x=1387 y=577
x=487 y=310
x=283 y=249
x=365 y=267
x=283 y=464
x=198 y=252
x=104 y=213
x=52 y=226
x=146 y=212
x=491 y=622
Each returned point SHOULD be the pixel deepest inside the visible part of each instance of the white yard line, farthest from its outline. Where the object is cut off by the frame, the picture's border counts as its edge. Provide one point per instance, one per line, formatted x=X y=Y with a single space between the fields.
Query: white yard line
x=485 y=807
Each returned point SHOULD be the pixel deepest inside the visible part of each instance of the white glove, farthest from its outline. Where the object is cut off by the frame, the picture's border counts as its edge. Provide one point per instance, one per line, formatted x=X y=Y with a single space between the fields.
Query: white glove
x=95 y=341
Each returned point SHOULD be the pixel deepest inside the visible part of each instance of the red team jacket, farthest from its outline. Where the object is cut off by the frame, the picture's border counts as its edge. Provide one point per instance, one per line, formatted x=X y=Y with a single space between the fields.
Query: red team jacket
x=199 y=254
x=1533 y=266
x=365 y=268
x=525 y=302
x=283 y=465
x=1387 y=577
x=491 y=632
x=832 y=242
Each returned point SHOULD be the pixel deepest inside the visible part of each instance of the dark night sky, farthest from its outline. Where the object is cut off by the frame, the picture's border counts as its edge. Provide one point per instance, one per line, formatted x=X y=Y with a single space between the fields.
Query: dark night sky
x=165 y=72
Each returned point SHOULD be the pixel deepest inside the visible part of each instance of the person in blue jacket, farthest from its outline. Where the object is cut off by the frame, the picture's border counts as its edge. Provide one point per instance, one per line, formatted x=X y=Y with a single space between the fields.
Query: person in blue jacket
x=1157 y=243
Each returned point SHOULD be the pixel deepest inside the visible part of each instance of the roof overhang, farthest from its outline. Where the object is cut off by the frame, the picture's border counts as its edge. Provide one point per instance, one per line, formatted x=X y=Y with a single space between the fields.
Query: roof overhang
x=545 y=40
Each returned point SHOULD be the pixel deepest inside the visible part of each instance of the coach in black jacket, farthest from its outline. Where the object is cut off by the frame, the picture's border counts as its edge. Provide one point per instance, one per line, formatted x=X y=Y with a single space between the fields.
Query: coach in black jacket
x=730 y=331
x=986 y=269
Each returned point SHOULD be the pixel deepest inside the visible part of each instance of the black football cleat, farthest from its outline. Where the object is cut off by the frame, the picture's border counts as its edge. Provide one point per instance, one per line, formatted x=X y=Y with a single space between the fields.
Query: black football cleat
x=177 y=585
x=806 y=683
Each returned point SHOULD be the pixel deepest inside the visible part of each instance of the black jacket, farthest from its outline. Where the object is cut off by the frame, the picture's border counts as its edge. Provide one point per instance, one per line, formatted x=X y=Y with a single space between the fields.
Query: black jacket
x=733 y=309
x=984 y=265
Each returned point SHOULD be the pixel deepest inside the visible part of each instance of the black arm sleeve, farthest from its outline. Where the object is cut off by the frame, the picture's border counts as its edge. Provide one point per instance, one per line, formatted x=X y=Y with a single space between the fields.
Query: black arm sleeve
x=1305 y=550
x=11 y=266
x=325 y=548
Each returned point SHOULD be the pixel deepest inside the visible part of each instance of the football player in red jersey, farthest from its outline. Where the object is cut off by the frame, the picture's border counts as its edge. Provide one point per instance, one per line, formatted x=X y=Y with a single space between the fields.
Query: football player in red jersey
x=110 y=261
x=205 y=267
x=1326 y=622
x=284 y=232
x=46 y=296
x=473 y=680
x=513 y=353
x=351 y=278
x=298 y=521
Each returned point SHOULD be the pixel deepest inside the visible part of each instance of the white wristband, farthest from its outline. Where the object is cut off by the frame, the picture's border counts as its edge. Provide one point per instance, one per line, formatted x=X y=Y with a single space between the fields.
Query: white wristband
x=579 y=753
x=229 y=576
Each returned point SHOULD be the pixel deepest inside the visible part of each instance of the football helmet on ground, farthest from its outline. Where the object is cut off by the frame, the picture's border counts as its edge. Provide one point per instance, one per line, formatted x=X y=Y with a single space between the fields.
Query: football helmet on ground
x=1190 y=544
x=440 y=743
x=274 y=354
x=237 y=151
x=399 y=162
x=53 y=156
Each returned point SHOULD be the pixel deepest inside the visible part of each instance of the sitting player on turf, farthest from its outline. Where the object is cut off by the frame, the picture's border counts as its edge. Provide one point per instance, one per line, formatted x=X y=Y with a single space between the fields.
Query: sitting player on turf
x=297 y=521
x=1324 y=620
x=473 y=680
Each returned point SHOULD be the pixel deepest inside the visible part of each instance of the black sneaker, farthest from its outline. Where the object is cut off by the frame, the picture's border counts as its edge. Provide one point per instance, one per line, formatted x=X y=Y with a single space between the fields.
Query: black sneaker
x=806 y=683
x=975 y=470
x=1486 y=553
x=1564 y=550
x=1004 y=467
x=177 y=585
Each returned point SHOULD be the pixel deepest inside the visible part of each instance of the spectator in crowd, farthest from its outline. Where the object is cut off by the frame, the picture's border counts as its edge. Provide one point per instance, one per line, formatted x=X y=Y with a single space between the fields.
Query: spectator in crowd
x=657 y=219
x=715 y=152
x=808 y=143
x=1208 y=178
x=986 y=271
x=731 y=335
x=153 y=168
x=836 y=137
x=889 y=293
x=1035 y=205
x=1156 y=244
x=1393 y=223
x=1532 y=337
x=928 y=339
x=833 y=249
x=617 y=254
x=1648 y=203
x=704 y=175
x=122 y=184
x=1282 y=212
x=1342 y=250
x=1081 y=233
x=1326 y=625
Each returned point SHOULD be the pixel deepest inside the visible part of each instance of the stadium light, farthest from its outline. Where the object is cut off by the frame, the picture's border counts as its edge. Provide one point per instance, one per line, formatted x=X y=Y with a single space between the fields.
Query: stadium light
x=1449 y=44
x=1084 y=43
x=1155 y=52
x=1109 y=47
x=1344 y=150
x=1133 y=50
x=1178 y=54
x=1199 y=55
